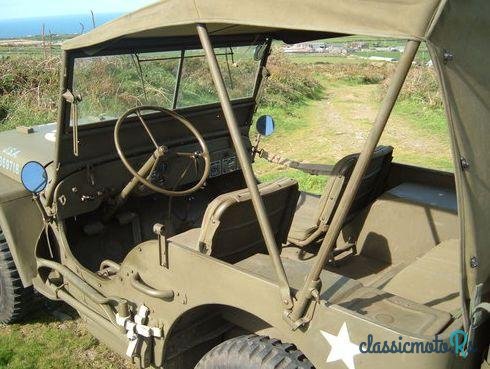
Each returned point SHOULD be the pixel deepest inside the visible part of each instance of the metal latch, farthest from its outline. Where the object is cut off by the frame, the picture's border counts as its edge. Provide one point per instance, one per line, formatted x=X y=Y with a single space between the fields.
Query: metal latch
x=137 y=329
x=159 y=230
x=314 y=292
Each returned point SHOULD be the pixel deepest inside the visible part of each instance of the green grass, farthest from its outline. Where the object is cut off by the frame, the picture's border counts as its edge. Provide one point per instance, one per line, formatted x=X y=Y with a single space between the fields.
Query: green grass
x=290 y=121
x=431 y=120
x=307 y=182
x=45 y=343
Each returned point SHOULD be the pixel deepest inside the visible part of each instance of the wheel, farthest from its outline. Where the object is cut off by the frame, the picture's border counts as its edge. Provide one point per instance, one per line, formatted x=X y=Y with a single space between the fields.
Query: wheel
x=254 y=352
x=161 y=151
x=15 y=300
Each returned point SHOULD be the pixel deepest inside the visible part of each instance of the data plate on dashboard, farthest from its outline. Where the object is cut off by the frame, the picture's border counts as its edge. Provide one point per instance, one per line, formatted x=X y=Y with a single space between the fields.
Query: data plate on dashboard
x=223 y=166
x=215 y=169
x=229 y=164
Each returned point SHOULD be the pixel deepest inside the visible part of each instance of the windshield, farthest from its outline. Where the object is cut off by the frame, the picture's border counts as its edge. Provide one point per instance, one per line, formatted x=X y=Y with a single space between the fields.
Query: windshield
x=110 y=85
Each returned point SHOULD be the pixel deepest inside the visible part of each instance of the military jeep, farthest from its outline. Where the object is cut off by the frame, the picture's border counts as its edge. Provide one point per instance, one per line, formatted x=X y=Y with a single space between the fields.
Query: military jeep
x=140 y=208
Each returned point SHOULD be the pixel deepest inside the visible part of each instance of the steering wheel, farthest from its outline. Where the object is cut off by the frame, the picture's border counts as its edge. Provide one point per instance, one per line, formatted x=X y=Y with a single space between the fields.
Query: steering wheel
x=161 y=151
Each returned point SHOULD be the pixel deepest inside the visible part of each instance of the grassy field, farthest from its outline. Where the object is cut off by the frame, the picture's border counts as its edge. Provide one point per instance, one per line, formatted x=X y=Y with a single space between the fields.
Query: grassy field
x=335 y=123
x=47 y=342
x=323 y=108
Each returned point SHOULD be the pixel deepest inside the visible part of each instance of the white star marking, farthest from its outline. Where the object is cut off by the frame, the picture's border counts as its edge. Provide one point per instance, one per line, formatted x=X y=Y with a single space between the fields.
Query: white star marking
x=341 y=347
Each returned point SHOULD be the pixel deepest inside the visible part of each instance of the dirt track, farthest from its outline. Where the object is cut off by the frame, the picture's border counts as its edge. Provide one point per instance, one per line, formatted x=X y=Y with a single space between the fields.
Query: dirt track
x=338 y=125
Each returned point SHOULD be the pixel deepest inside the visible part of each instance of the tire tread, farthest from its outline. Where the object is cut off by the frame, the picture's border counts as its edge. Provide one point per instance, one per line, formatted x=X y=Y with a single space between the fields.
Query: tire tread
x=19 y=298
x=252 y=351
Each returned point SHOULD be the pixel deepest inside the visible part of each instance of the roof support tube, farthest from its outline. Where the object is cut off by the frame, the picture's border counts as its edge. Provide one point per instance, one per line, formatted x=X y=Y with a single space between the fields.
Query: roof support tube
x=244 y=159
x=306 y=292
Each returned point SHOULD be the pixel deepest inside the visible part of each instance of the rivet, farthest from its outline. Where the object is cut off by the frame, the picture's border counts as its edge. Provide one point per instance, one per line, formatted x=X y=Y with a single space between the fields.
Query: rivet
x=474 y=262
x=447 y=56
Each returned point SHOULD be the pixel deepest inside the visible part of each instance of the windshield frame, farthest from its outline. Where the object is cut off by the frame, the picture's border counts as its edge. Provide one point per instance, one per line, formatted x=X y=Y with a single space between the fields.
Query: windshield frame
x=148 y=46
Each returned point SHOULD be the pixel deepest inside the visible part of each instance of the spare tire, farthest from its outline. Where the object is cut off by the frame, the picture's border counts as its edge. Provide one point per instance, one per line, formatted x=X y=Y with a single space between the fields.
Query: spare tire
x=15 y=300
x=254 y=352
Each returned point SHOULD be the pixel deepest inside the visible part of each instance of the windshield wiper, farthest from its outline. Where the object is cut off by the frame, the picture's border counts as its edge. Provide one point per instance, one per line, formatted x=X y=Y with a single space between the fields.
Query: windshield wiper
x=137 y=64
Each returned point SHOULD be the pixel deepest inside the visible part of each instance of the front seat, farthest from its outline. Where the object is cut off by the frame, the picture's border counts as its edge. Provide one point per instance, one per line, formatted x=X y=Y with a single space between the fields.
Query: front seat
x=230 y=230
x=314 y=213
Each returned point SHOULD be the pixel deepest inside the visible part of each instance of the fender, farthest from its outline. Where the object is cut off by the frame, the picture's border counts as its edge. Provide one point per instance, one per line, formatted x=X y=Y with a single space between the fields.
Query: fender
x=21 y=223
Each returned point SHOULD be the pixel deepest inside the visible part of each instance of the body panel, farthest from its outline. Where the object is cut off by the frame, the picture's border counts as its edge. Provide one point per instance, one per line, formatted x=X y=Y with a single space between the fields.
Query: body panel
x=188 y=275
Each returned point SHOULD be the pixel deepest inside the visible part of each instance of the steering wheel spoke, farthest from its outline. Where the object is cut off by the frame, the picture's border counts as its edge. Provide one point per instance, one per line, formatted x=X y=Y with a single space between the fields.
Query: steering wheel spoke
x=161 y=153
x=147 y=129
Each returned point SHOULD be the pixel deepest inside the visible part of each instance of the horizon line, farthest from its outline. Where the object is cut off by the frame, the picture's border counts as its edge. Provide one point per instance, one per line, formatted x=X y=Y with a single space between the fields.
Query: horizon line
x=60 y=15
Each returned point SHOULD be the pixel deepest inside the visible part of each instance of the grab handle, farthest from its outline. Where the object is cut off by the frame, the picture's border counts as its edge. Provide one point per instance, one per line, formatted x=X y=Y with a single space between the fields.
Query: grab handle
x=143 y=288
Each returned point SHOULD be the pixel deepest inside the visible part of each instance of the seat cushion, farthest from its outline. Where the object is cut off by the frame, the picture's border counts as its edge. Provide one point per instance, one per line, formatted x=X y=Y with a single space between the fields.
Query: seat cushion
x=304 y=221
x=432 y=280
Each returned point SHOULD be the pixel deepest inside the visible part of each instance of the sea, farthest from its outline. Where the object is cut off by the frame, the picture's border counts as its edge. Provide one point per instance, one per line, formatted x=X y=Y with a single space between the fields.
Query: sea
x=55 y=25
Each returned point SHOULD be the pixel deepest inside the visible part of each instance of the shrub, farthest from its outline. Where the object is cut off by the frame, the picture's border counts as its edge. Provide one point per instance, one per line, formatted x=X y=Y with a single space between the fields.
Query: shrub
x=421 y=85
x=359 y=73
x=28 y=90
x=289 y=83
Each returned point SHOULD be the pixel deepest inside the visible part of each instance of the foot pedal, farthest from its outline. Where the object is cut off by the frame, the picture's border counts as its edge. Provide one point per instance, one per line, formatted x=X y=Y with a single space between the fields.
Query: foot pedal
x=133 y=219
x=93 y=229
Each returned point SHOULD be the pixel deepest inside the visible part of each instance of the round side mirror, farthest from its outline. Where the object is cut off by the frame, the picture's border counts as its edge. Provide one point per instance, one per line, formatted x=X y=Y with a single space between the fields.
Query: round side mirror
x=265 y=125
x=34 y=177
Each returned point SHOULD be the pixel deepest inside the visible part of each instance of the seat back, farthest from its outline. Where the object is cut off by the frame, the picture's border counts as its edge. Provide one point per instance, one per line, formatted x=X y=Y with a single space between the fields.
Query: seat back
x=230 y=229
x=371 y=186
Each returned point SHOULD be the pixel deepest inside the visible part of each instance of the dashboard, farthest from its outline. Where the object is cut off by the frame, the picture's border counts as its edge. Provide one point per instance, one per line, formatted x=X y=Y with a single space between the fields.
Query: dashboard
x=85 y=190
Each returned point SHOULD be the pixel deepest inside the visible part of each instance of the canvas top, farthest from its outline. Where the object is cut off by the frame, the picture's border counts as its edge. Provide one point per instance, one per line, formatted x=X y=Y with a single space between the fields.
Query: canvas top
x=173 y=18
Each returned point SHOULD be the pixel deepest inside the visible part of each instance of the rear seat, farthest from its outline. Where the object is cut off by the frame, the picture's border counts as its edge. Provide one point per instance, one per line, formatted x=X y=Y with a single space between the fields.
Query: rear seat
x=432 y=280
x=404 y=223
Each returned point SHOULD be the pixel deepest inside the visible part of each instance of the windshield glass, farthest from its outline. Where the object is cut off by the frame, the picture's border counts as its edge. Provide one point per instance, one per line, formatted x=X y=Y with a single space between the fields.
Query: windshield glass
x=110 y=85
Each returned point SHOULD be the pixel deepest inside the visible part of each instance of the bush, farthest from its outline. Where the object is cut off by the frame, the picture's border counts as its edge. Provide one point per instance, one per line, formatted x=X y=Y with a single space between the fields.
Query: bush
x=421 y=85
x=358 y=74
x=28 y=90
x=289 y=83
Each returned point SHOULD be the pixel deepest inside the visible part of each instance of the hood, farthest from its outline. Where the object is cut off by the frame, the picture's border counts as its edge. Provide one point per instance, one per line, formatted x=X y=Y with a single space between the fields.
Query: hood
x=23 y=144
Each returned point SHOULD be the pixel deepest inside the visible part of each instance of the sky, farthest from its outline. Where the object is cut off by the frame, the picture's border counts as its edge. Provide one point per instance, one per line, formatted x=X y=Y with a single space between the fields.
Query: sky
x=15 y=9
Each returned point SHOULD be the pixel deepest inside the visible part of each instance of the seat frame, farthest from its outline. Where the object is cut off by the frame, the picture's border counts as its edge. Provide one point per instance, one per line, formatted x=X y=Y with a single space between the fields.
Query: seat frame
x=335 y=188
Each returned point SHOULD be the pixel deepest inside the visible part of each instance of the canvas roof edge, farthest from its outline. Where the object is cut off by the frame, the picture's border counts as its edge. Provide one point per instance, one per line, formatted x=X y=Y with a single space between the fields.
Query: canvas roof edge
x=173 y=18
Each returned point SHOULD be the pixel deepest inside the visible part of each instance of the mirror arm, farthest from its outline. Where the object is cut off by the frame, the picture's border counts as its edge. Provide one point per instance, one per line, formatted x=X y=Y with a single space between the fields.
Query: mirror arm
x=255 y=147
x=264 y=76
